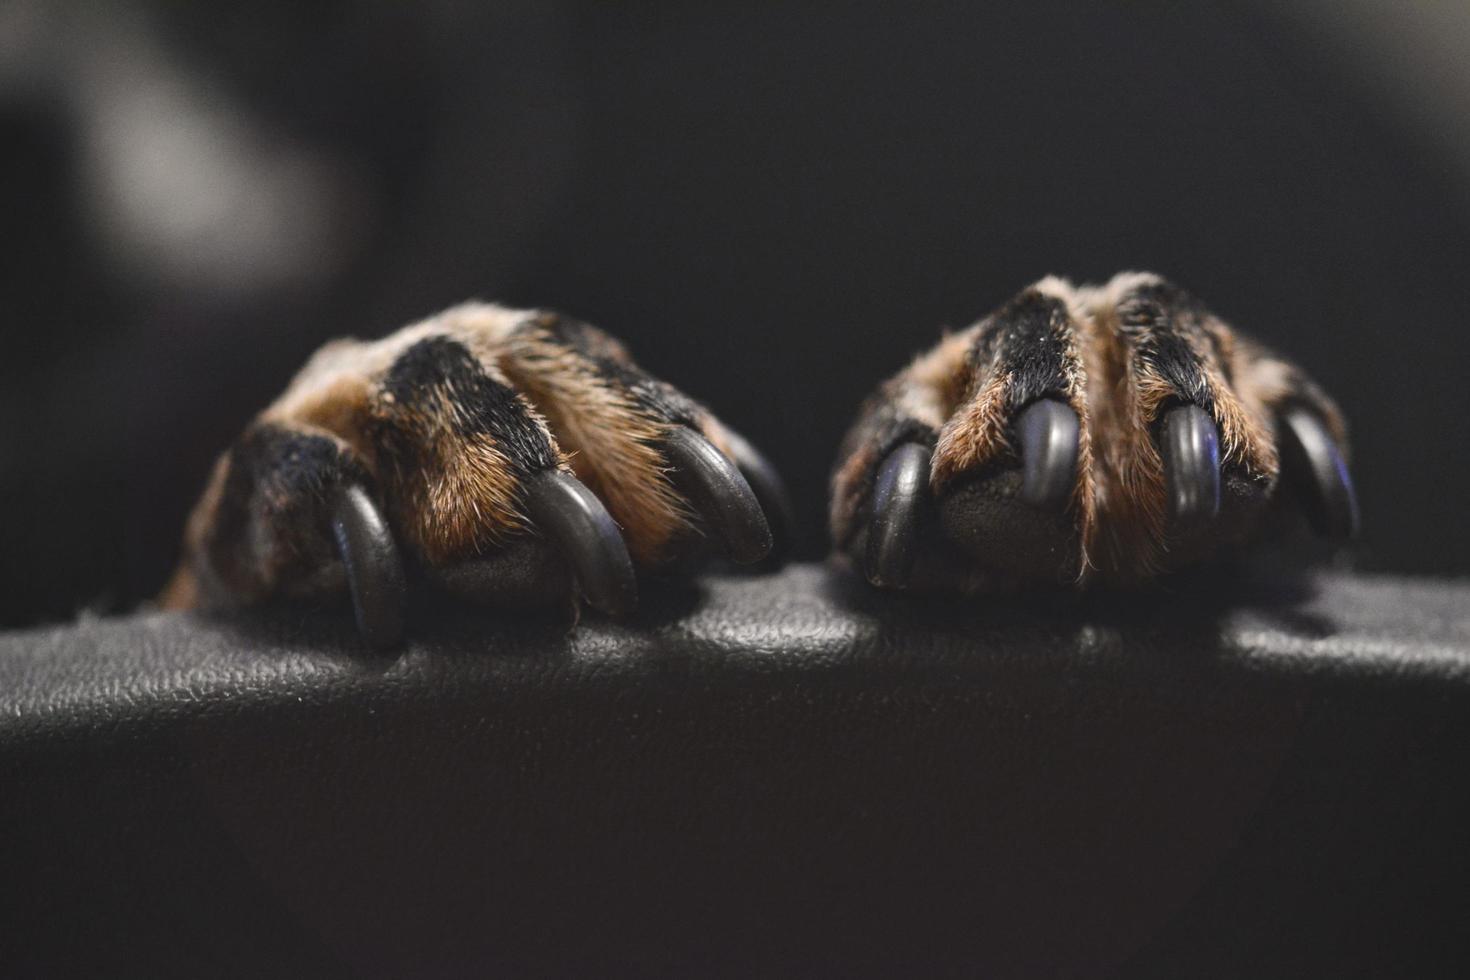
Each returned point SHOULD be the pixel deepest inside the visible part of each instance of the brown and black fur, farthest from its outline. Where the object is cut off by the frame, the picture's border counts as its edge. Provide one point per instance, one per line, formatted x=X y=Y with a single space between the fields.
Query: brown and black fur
x=442 y=422
x=1119 y=355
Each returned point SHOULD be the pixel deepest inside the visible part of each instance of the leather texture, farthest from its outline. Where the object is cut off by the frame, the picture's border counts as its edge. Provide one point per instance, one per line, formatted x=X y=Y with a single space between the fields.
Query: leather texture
x=786 y=775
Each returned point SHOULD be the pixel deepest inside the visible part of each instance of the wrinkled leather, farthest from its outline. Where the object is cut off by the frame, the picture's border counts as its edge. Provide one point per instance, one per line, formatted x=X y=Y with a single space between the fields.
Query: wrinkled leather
x=787 y=775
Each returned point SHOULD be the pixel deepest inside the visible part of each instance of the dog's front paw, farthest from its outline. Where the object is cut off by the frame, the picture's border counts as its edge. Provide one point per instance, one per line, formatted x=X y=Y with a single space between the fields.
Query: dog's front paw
x=1083 y=434
x=517 y=456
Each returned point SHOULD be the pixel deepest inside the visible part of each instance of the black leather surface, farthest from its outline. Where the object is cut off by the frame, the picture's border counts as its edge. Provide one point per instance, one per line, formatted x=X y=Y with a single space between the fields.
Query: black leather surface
x=776 y=776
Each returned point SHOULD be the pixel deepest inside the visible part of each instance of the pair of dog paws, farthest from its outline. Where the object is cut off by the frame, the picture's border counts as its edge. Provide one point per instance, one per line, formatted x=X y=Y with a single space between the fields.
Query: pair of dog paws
x=1076 y=434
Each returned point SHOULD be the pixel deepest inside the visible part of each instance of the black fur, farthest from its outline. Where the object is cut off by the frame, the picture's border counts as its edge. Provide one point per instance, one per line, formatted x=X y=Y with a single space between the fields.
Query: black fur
x=660 y=398
x=1159 y=319
x=279 y=484
x=478 y=404
x=576 y=334
x=1031 y=333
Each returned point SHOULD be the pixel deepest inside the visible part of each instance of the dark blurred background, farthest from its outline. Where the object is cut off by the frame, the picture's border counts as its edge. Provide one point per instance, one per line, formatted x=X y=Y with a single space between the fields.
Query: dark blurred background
x=773 y=204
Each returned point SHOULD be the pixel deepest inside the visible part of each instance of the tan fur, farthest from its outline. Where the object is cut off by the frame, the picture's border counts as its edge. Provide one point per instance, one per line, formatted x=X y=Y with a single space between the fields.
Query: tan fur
x=1084 y=495
x=612 y=441
x=975 y=434
x=463 y=498
x=936 y=381
x=1125 y=538
x=1245 y=427
x=340 y=404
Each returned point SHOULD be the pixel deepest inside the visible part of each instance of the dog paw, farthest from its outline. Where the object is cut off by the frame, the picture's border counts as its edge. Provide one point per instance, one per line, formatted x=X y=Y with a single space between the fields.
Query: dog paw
x=512 y=456
x=1084 y=434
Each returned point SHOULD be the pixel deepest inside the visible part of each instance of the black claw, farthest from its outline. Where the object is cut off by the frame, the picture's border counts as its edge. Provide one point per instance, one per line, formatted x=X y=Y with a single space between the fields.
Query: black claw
x=587 y=536
x=770 y=492
x=1048 y=432
x=900 y=495
x=374 y=571
x=719 y=493
x=1190 y=446
x=1311 y=459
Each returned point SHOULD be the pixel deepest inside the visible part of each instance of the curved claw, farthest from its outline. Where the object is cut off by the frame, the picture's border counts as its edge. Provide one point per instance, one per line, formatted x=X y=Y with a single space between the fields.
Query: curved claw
x=1190 y=446
x=1048 y=432
x=770 y=492
x=374 y=571
x=587 y=536
x=717 y=490
x=1312 y=458
x=900 y=494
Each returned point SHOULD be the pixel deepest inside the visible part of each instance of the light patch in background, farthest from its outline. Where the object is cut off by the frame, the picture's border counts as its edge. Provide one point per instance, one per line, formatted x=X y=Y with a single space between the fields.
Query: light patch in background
x=182 y=186
x=1410 y=59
